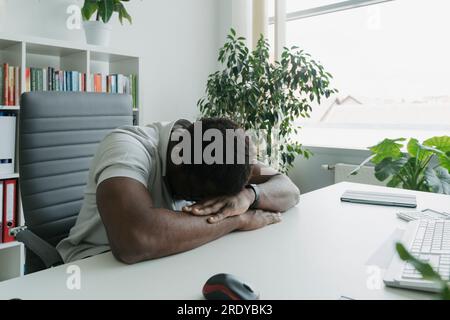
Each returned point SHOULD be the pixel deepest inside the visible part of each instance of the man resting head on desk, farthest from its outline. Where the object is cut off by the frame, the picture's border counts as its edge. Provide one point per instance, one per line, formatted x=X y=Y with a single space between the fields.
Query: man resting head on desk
x=142 y=177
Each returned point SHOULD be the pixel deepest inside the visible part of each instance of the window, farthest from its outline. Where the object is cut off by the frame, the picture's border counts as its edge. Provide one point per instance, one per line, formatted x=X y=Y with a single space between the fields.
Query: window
x=390 y=62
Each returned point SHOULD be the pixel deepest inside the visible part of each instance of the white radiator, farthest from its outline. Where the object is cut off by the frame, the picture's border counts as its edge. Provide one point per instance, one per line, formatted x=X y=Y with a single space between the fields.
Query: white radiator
x=365 y=175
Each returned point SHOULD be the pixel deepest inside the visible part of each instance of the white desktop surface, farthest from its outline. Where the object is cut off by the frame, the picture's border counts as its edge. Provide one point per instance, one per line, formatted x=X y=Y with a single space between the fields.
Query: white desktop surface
x=319 y=251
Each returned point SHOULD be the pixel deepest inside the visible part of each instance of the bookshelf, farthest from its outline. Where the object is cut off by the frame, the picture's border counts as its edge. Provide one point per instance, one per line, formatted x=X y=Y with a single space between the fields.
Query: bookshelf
x=33 y=52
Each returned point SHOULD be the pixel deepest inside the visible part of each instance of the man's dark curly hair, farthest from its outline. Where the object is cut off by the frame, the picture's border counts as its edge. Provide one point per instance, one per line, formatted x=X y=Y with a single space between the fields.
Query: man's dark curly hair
x=220 y=179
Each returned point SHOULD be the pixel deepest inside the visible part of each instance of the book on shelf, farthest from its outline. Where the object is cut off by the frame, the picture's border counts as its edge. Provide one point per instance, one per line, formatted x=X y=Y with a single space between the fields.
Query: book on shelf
x=16 y=86
x=11 y=82
x=115 y=83
x=27 y=79
x=9 y=85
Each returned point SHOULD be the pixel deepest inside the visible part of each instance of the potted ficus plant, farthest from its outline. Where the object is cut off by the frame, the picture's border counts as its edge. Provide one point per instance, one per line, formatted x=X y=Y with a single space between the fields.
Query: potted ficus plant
x=266 y=97
x=98 y=31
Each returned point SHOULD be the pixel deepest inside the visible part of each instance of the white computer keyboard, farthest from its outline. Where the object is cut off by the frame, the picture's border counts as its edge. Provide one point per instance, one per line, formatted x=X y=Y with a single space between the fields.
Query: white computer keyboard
x=426 y=214
x=431 y=244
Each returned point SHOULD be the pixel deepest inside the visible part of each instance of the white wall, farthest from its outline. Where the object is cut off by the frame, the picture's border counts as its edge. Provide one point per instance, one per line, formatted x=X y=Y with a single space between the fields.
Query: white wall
x=308 y=174
x=178 y=39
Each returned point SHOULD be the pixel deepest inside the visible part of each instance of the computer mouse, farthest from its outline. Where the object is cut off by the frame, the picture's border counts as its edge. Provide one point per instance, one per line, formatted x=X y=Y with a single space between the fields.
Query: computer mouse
x=228 y=287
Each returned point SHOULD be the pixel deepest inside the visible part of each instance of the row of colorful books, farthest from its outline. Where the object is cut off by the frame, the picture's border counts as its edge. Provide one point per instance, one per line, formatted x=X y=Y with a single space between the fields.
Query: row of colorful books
x=9 y=85
x=58 y=80
x=115 y=83
x=50 y=79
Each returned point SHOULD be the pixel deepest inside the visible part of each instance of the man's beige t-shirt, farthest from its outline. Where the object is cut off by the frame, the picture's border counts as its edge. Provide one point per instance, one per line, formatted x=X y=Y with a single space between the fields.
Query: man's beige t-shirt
x=134 y=152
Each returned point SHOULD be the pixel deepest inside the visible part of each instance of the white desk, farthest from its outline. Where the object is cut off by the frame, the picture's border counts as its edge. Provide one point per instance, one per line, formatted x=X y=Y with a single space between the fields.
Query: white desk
x=319 y=251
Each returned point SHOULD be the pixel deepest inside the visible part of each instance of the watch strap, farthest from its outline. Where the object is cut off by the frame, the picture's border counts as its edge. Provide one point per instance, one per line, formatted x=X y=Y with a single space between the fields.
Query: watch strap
x=256 y=190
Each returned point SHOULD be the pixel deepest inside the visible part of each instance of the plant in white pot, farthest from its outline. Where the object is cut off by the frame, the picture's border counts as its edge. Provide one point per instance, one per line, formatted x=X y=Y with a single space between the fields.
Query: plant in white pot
x=98 y=31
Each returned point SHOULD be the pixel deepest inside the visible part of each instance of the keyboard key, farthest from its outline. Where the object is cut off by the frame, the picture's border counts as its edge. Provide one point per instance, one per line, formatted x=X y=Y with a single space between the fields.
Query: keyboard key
x=412 y=276
x=420 y=234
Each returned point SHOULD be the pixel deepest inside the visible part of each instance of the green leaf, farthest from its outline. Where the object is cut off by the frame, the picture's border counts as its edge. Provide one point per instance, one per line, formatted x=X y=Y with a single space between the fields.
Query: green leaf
x=416 y=150
x=394 y=182
x=89 y=8
x=438 y=180
x=389 y=167
x=387 y=149
x=445 y=294
x=441 y=147
x=106 y=9
x=123 y=13
x=444 y=161
x=440 y=143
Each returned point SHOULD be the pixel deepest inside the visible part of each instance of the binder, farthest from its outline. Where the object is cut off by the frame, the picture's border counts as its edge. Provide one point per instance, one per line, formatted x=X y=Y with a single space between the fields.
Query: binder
x=9 y=208
x=1 y=211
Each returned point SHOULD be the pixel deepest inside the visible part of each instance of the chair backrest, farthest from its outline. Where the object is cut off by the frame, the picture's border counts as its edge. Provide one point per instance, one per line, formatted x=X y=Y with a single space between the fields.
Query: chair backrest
x=58 y=136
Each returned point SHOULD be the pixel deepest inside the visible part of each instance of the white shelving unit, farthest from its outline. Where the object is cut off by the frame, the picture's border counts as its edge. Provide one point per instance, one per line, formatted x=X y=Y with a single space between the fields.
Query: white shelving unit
x=36 y=52
x=5 y=176
x=12 y=260
x=9 y=108
x=33 y=52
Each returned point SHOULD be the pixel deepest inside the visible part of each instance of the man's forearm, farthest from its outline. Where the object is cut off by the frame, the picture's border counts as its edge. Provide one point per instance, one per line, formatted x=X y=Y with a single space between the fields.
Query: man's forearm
x=278 y=194
x=170 y=232
x=138 y=231
x=165 y=232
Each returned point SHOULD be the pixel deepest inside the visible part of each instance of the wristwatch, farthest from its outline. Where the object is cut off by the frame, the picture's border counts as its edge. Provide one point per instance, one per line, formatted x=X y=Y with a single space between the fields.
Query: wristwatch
x=256 y=190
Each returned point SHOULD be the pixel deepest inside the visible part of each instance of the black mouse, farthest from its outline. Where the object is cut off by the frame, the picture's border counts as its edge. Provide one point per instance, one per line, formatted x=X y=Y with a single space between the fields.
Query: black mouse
x=227 y=287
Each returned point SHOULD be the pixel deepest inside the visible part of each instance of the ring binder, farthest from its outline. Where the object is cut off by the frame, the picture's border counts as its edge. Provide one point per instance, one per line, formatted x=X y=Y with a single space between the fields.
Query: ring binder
x=9 y=208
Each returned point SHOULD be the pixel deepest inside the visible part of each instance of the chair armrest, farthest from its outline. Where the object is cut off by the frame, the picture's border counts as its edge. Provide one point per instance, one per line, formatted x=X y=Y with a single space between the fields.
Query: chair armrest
x=47 y=253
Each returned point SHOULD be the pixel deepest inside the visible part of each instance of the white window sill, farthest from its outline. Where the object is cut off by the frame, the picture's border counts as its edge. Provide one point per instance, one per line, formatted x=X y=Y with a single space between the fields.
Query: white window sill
x=358 y=138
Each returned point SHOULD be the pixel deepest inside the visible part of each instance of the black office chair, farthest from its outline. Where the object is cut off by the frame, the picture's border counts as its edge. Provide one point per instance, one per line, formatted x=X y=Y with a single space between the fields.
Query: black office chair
x=58 y=136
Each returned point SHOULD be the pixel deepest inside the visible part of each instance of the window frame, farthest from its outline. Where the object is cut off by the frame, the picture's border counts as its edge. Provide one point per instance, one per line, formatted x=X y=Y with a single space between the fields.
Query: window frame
x=326 y=9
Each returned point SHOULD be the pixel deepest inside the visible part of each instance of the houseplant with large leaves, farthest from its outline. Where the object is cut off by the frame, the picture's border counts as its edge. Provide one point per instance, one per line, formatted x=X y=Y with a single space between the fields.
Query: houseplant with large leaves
x=98 y=31
x=266 y=97
x=423 y=167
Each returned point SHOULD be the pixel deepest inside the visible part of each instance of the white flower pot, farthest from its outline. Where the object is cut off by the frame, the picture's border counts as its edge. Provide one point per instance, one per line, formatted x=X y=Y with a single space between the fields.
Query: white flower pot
x=97 y=33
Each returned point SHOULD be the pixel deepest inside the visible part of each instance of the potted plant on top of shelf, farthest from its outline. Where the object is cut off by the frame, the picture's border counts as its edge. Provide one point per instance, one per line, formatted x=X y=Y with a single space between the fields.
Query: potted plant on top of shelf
x=98 y=31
